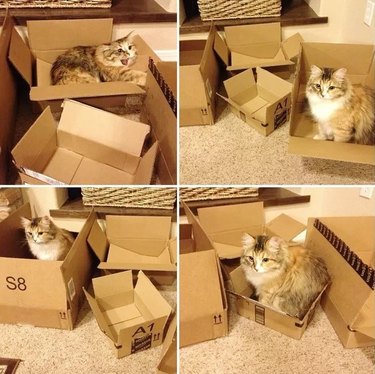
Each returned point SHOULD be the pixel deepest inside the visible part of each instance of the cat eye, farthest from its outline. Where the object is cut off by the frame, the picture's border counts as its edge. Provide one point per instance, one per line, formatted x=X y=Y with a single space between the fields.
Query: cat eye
x=130 y=47
x=251 y=258
x=265 y=259
x=317 y=85
x=120 y=50
x=331 y=87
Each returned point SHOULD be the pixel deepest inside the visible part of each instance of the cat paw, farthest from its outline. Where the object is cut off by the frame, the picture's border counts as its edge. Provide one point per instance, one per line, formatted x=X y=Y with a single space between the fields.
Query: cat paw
x=319 y=137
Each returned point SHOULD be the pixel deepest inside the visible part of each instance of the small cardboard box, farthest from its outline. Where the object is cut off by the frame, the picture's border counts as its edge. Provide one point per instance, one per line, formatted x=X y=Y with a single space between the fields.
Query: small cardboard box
x=89 y=146
x=50 y=38
x=250 y=46
x=36 y=292
x=132 y=317
x=360 y=69
x=168 y=360
x=136 y=243
x=347 y=245
x=8 y=99
x=199 y=81
x=203 y=302
x=263 y=104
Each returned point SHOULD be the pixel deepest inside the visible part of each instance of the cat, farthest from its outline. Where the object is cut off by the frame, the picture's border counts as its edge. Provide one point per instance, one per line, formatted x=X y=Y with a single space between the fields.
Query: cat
x=46 y=240
x=344 y=112
x=287 y=278
x=94 y=64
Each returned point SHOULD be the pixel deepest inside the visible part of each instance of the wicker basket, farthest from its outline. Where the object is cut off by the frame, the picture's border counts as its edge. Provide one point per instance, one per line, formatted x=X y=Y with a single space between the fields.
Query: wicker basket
x=215 y=193
x=156 y=198
x=55 y=3
x=226 y=9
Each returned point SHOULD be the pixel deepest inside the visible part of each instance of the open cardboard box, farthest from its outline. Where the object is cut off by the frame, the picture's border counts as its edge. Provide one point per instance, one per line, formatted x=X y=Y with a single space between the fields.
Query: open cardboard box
x=136 y=243
x=132 y=317
x=263 y=104
x=360 y=69
x=203 y=302
x=168 y=360
x=50 y=38
x=199 y=80
x=89 y=146
x=36 y=292
x=250 y=46
x=8 y=99
x=347 y=245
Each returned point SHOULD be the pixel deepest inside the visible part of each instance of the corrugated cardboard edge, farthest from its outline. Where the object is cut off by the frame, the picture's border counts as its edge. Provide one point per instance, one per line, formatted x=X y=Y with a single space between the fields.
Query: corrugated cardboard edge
x=168 y=357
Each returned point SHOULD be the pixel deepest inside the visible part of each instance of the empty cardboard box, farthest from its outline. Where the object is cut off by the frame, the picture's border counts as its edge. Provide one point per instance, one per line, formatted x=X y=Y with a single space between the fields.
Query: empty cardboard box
x=360 y=69
x=132 y=317
x=199 y=80
x=263 y=104
x=50 y=38
x=40 y=292
x=136 y=243
x=250 y=46
x=347 y=245
x=89 y=146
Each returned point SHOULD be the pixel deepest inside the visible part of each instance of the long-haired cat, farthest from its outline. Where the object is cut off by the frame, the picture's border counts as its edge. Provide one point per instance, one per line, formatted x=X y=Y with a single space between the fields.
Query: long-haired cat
x=94 y=64
x=46 y=240
x=344 y=112
x=287 y=278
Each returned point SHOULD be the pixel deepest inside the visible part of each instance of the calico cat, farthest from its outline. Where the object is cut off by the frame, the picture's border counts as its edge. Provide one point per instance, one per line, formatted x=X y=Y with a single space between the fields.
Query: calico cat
x=344 y=112
x=288 y=278
x=94 y=64
x=46 y=240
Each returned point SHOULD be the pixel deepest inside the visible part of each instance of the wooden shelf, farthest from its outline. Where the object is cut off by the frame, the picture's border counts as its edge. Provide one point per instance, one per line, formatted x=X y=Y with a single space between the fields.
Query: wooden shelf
x=294 y=12
x=122 y=11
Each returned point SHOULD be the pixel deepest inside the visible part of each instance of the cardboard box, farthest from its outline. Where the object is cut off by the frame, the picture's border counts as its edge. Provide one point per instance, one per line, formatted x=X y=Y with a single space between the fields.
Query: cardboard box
x=136 y=243
x=48 y=39
x=160 y=111
x=8 y=99
x=263 y=104
x=199 y=80
x=36 y=292
x=89 y=146
x=250 y=46
x=347 y=245
x=132 y=317
x=168 y=361
x=225 y=226
x=203 y=302
x=360 y=69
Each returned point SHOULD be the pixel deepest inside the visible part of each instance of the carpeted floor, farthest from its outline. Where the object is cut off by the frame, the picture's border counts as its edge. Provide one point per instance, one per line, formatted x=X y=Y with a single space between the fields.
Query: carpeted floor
x=253 y=348
x=84 y=350
x=231 y=152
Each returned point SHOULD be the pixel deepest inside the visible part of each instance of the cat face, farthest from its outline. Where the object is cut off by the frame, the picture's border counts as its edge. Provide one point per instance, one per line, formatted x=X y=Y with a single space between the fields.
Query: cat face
x=327 y=83
x=38 y=230
x=262 y=254
x=121 y=52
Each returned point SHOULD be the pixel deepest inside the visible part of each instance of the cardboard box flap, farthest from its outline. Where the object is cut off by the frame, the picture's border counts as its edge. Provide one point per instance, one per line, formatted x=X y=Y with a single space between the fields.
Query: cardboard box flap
x=275 y=85
x=144 y=49
x=365 y=321
x=98 y=241
x=239 y=83
x=99 y=316
x=21 y=57
x=64 y=34
x=292 y=46
x=81 y=123
x=168 y=359
x=112 y=284
x=145 y=168
x=227 y=251
x=136 y=266
x=240 y=285
x=221 y=48
x=158 y=305
x=285 y=227
x=201 y=239
x=173 y=250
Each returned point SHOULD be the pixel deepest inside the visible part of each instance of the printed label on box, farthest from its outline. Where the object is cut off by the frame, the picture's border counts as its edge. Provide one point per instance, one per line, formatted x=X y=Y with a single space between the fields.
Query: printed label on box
x=260 y=314
x=141 y=344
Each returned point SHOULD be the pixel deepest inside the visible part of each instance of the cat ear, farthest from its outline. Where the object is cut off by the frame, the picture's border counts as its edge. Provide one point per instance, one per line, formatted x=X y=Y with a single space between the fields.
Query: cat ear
x=340 y=74
x=25 y=222
x=275 y=244
x=45 y=221
x=247 y=240
x=124 y=38
x=315 y=71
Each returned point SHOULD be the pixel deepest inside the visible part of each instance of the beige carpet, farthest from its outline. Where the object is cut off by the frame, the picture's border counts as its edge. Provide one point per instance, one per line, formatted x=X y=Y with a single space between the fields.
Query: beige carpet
x=231 y=152
x=83 y=350
x=253 y=348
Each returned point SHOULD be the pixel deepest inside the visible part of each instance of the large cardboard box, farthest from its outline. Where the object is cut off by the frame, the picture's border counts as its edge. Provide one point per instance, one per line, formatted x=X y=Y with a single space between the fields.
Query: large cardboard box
x=160 y=111
x=203 y=302
x=48 y=39
x=89 y=146
x=168 y=360
x=136 y=243
x=8 y=99
x=132 y=317
x=347 y=245
x=360 y=69
x=250 y=46
x=264 y=104
x=37 y=292
x=199 y=80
